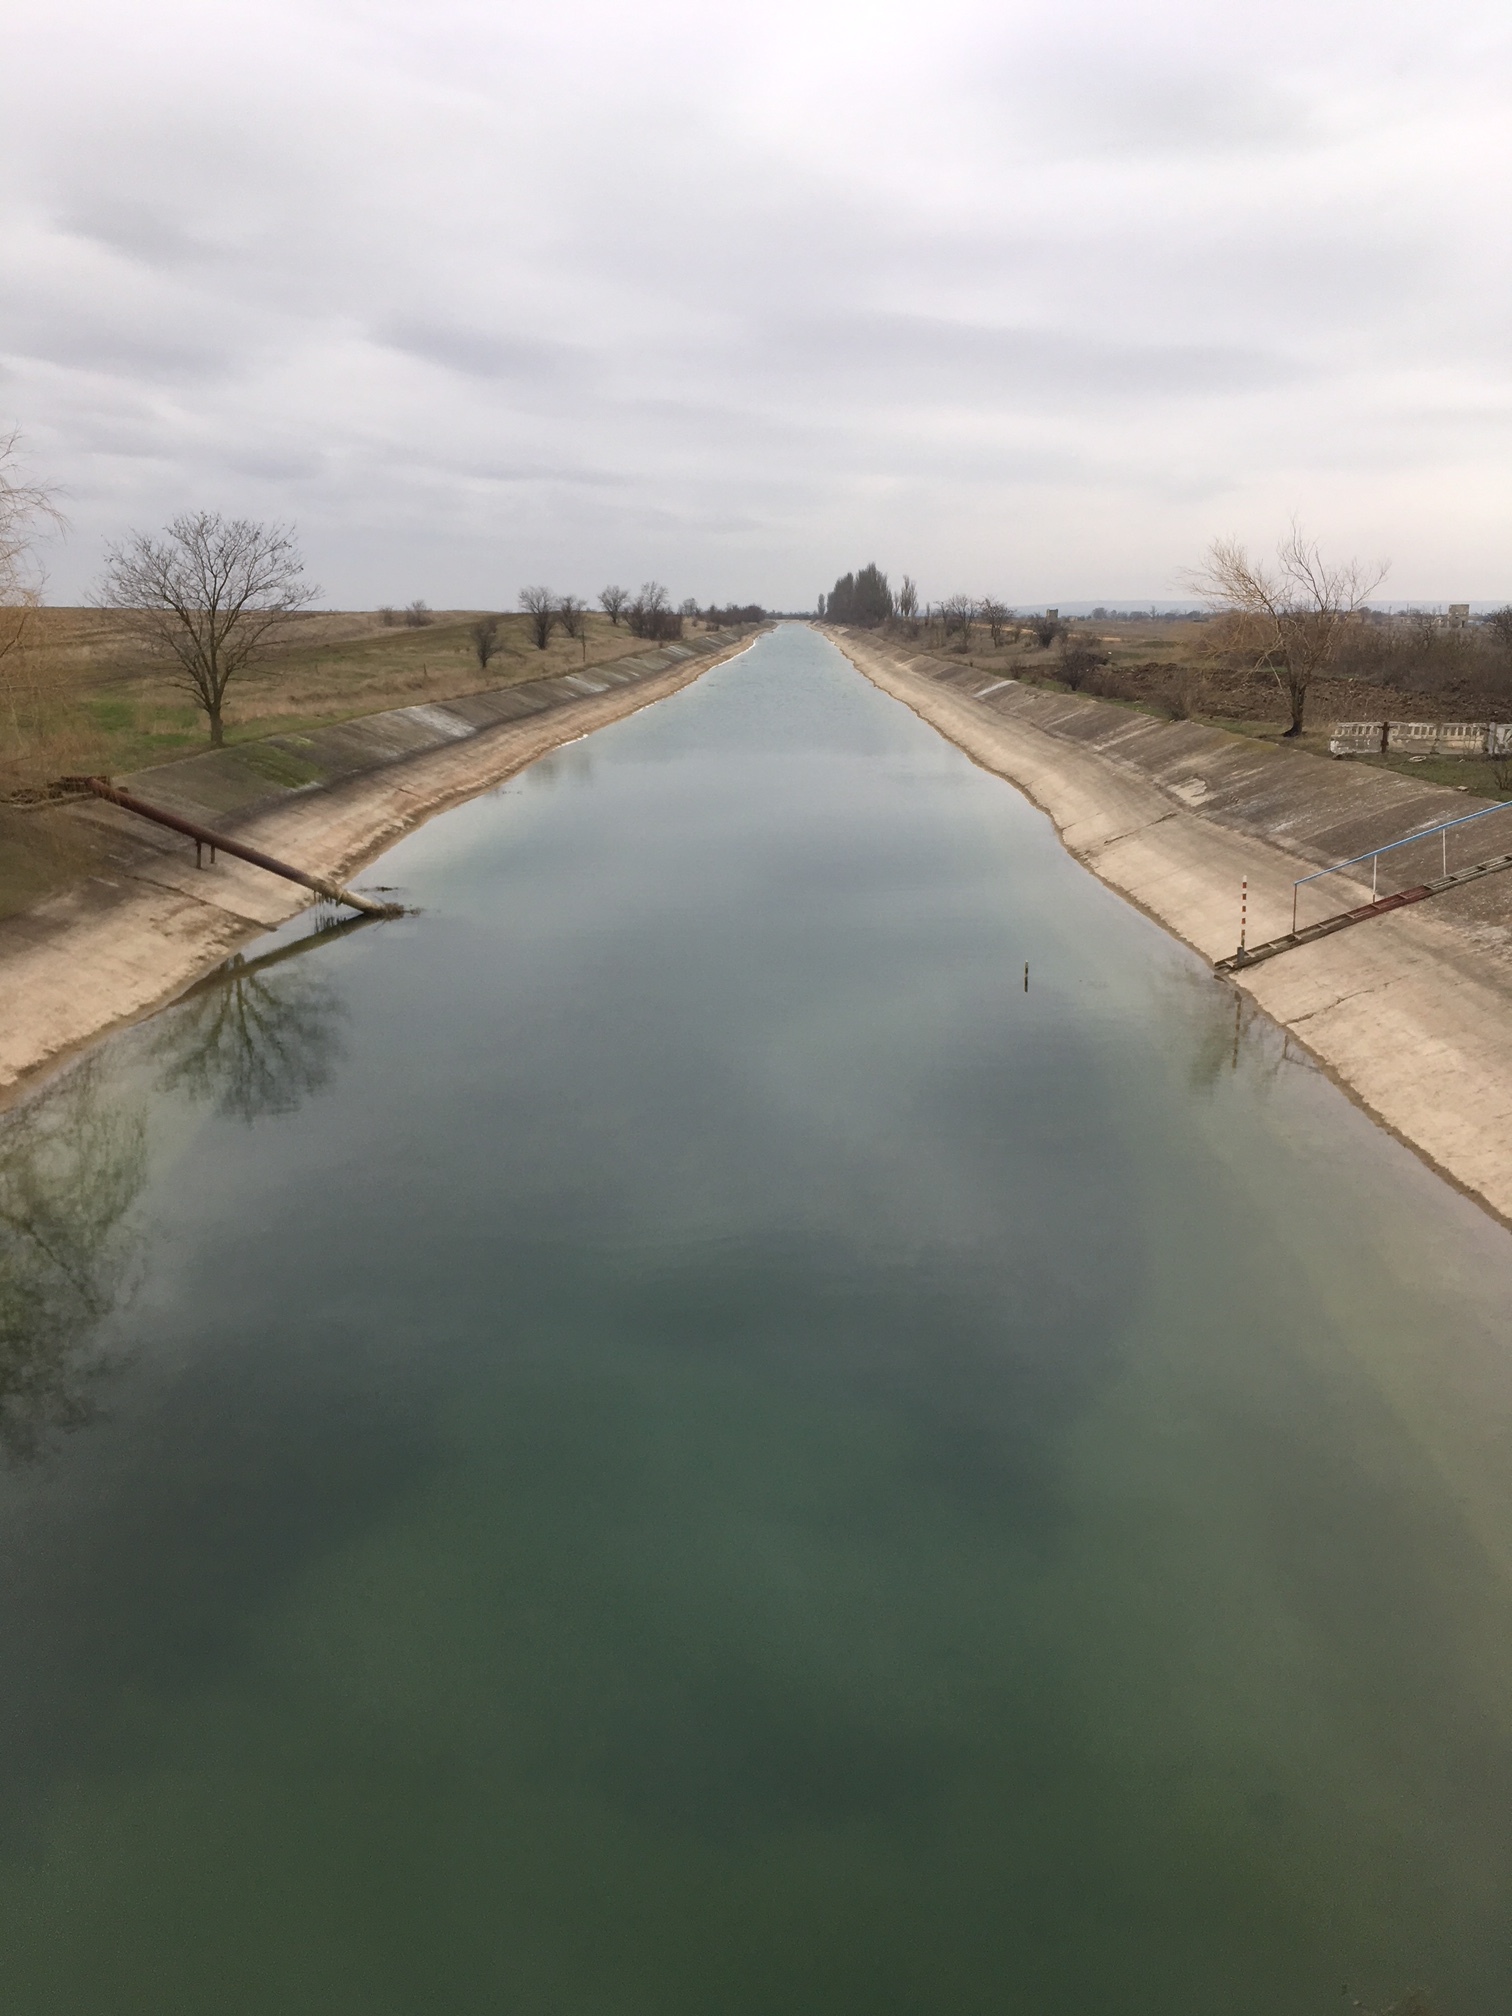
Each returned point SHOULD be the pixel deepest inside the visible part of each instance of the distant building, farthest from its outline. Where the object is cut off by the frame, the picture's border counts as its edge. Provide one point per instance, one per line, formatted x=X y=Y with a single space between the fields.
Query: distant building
x=1459 y=615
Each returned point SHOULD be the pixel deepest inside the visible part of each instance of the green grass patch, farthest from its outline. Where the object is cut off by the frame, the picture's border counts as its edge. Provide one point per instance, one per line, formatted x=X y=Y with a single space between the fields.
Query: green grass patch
x=279 y=766
x=113 y=717
x=1475 y=774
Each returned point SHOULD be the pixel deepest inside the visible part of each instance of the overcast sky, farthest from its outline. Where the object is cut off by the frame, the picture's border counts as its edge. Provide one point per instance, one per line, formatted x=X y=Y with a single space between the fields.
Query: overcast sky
x=1033 y=299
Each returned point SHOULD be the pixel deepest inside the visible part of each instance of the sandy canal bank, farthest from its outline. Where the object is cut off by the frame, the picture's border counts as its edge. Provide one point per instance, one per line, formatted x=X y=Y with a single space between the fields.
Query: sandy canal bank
x=131 y=938
x=1411 y=1013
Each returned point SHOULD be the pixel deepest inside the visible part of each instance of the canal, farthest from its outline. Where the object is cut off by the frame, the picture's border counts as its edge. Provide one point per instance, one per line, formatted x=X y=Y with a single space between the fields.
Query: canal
x=665 y=1436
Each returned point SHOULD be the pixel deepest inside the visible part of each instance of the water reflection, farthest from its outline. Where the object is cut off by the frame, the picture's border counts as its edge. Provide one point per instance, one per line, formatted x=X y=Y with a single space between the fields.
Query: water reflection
x=1223 y=1031
x=71 y=1165
x=759 y=1473
x=249 y=1044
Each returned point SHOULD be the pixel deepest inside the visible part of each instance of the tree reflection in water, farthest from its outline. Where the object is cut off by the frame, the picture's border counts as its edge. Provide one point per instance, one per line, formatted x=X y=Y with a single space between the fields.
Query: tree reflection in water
x=71 y=1164
x=251 y=1043
x=251 y=1040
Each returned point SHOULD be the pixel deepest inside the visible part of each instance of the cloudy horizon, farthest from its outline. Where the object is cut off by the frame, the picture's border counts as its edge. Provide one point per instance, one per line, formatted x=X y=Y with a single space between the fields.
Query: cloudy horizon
x=1027 y=301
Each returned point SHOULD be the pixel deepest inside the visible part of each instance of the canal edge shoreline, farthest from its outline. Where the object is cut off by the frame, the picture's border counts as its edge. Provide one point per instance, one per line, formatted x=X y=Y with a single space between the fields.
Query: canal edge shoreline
x=1411 y=1018
x=101 y=958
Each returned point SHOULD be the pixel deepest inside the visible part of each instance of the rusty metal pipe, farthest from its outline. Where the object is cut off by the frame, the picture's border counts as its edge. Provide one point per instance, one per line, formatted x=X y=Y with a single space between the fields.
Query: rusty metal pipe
x=333 y=892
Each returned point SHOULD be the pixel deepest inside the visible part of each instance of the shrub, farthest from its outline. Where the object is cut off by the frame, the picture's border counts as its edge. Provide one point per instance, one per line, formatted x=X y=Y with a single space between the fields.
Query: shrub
x=1079 y=660
x=485 y=640
x=652 y=615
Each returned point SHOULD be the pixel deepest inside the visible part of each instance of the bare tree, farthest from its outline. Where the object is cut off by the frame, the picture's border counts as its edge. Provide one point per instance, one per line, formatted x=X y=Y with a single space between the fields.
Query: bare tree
x=418 y=615
x=614 y=600
x=26 y=509
x=1080 y=658
x=651 y=614
x=1293 y=615
x=251 y=1040
x=485 y=640
x=540 y=605
x=959 y=614
x=908 y=601
x=211 y=596
x=1499 y=625
x=72 y=1163
x=388 y=616
x=570 y=613
x=995 y=616
x=688 y=609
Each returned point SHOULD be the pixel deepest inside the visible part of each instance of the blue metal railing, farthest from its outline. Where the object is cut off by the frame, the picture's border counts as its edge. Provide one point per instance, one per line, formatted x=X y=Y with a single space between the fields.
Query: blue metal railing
x=1445 y=827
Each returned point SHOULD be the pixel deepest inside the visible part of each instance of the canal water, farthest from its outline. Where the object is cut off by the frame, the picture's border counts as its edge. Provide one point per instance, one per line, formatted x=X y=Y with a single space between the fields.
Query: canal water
x=665 y=1436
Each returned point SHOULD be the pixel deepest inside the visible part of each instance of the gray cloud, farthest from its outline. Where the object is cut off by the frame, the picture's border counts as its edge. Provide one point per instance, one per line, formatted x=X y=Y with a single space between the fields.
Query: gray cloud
x=1036 y=300
x=928 y=355
x=483 y=353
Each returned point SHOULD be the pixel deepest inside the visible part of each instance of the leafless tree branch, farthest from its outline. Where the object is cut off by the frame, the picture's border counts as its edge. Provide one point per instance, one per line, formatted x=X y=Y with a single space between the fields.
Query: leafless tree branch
x=1293 y=613
x=540 y=605
x=211 y=596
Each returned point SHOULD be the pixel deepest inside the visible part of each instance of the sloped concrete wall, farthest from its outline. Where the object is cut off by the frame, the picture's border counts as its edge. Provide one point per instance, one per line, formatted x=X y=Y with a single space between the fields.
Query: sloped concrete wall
x=1319 y=810
x=224 y=787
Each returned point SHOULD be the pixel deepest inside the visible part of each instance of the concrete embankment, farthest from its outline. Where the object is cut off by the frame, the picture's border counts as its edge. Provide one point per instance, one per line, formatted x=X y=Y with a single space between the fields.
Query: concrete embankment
x=1412 y=1013
x=135 y=935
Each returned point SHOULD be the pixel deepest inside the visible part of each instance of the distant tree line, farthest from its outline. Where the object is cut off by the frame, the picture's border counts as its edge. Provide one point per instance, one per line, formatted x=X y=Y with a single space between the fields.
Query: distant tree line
x=863 y=600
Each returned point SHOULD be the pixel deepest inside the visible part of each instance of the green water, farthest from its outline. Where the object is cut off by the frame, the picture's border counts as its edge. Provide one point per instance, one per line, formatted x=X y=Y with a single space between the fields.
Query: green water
x=662 y=1437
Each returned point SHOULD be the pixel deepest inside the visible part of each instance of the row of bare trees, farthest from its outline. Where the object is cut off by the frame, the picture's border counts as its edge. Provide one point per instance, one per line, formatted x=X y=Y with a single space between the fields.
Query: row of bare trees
x=1293 y=617
x=647 y=614
x=1296 y=616
x=866 y=601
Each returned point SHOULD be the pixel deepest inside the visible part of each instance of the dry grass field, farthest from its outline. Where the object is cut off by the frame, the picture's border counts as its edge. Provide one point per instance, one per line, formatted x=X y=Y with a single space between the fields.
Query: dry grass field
x=84 y=698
